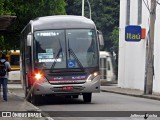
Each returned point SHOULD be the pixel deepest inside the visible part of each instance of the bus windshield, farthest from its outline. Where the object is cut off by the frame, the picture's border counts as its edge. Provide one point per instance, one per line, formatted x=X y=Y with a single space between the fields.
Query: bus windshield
x=72 y=48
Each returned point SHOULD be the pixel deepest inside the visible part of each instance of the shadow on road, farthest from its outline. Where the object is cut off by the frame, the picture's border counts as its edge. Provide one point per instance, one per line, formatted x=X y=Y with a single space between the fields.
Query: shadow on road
x=60 y=100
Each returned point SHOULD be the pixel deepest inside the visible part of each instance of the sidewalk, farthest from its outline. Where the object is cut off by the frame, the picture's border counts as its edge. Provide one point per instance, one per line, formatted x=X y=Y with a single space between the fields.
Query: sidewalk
x=113 y=88
x=16 y=103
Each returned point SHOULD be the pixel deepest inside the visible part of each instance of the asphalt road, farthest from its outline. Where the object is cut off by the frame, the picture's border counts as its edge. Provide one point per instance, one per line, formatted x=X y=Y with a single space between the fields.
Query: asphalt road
x=105 y=105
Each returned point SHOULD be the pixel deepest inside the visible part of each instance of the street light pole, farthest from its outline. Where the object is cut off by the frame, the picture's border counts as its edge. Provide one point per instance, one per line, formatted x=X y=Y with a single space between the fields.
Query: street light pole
x=88 y=6
x=150 y=60
x=82 y=7
x=89 y=9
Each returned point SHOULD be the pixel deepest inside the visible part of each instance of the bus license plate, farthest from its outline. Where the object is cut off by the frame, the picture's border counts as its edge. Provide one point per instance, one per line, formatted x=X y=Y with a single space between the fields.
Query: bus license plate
x=67 y=87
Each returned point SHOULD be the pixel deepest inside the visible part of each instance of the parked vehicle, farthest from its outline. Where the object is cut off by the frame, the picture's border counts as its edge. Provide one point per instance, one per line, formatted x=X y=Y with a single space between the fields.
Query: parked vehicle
x=106 y=67
x=13 y=57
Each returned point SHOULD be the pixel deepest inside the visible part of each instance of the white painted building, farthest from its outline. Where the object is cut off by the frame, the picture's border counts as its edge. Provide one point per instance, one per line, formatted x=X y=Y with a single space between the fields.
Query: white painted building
x=132 y=55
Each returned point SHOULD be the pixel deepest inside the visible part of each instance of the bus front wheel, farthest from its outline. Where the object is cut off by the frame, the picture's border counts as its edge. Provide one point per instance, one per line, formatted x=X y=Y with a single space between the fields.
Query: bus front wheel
x=87 y=97
x=36 y=99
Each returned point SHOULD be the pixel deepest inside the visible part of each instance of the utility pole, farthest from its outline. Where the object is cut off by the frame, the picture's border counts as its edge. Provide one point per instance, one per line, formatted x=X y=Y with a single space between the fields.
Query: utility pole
x=82 y=7
x=150 y=57
x=89 y=9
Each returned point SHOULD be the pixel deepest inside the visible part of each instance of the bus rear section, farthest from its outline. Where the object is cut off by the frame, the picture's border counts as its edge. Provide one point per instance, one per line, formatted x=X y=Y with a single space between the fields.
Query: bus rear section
x=13 y=57
x=60 y=57
x=106 y=67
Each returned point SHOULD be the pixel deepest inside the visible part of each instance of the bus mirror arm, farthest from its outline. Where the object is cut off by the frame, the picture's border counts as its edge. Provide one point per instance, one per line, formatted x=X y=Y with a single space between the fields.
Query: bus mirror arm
x=29 y=39
x=100 y=39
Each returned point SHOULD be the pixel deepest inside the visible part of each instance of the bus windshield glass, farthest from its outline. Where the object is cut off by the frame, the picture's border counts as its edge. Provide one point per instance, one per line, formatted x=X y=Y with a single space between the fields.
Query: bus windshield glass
x=72 y=48
x=14 y=60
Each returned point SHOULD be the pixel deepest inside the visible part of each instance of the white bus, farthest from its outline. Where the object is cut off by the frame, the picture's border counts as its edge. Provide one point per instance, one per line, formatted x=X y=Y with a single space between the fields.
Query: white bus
x=60 y=56
x=106 y=67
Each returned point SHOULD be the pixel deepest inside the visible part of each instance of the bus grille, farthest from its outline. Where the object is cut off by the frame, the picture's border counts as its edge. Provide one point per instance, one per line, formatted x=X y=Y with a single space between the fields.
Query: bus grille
x=64 y=83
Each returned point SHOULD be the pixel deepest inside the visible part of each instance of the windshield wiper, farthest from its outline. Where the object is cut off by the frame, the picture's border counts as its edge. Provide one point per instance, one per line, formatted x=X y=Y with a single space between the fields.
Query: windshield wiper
x=57 y=56
x=75 y=57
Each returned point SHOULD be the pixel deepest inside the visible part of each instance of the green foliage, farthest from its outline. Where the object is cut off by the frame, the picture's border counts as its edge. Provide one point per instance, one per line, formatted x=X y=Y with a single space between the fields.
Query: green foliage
x=74 y=7
x=26 y=10
x=5 y=6
x=3 y=45
x=114 y=37
x=105 y=14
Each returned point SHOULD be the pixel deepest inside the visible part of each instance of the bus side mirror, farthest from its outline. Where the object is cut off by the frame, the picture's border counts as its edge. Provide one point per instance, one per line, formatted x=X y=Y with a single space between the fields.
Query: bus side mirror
x=29 y=39
x=100 y=39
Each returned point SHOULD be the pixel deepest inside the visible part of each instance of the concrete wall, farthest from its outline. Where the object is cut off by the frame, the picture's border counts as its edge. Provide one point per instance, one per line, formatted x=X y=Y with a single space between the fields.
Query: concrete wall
x=156 y=81
x=132 y=55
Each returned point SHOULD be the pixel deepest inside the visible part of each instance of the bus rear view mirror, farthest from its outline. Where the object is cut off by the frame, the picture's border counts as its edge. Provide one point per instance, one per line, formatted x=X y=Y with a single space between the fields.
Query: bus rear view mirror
x=100 y=39
x=29 y=39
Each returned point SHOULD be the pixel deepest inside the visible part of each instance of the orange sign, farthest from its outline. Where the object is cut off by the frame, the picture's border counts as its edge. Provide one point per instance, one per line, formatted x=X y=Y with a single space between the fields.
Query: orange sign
x=143 y=33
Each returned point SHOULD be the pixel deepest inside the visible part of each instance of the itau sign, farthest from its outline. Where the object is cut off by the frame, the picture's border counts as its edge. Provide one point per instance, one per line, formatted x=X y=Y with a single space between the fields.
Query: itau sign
x=133 y=33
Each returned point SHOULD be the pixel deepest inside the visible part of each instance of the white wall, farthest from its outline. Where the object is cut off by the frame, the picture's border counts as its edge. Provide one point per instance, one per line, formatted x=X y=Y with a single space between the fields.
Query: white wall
x=156 y=81
x=121 y=62
x=132 y=55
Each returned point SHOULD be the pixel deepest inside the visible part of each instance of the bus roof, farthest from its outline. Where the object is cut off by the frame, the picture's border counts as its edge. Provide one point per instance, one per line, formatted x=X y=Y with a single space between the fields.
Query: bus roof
x=62 y=22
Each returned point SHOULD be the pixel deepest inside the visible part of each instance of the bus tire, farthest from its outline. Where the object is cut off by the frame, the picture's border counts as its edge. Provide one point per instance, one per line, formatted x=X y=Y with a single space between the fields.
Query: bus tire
x=87 y=97
x=36 y=99
x=75 y=96
x=68 y=96
x=27 y=96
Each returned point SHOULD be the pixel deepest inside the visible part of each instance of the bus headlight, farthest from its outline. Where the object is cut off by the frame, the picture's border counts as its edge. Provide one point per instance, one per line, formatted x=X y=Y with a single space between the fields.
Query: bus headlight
x=39 y=78
x=92 y=76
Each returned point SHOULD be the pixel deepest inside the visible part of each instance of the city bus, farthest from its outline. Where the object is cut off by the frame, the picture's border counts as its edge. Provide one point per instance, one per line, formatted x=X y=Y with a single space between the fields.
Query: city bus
x=13 y=57
x=107 y=67
x=60 y=56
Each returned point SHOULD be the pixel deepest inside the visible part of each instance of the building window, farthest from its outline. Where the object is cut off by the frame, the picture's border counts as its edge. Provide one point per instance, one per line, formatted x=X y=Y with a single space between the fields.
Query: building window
x=139 y=11
x=128 y=13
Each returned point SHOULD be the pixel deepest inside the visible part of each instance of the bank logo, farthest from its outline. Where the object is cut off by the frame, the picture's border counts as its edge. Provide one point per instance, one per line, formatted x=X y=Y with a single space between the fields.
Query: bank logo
x=133 y=33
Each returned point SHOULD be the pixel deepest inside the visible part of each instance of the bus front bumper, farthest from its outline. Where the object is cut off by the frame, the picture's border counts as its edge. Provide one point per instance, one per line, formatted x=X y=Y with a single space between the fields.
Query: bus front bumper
x=69 y=89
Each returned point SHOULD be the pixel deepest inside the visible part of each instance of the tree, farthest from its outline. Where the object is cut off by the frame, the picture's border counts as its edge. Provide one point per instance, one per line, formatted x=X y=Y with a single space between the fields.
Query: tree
x=25 y=10
x=114 y=37
x=105 y=14
x=5 y=7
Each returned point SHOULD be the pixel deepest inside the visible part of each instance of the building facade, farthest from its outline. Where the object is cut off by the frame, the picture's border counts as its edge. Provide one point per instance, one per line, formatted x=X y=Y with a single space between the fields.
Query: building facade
x=132 y=55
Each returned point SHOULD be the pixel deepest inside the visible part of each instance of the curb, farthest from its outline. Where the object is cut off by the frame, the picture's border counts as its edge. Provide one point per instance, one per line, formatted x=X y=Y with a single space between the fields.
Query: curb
x=45 y=116
x=14 y=81
x=135 y=95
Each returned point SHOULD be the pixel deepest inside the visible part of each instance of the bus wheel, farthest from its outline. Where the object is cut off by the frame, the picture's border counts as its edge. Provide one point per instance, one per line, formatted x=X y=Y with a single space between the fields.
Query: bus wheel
x=68 y=96
x=75 y=96
x=87 y=97
x=27 y=96
x=35 y=99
